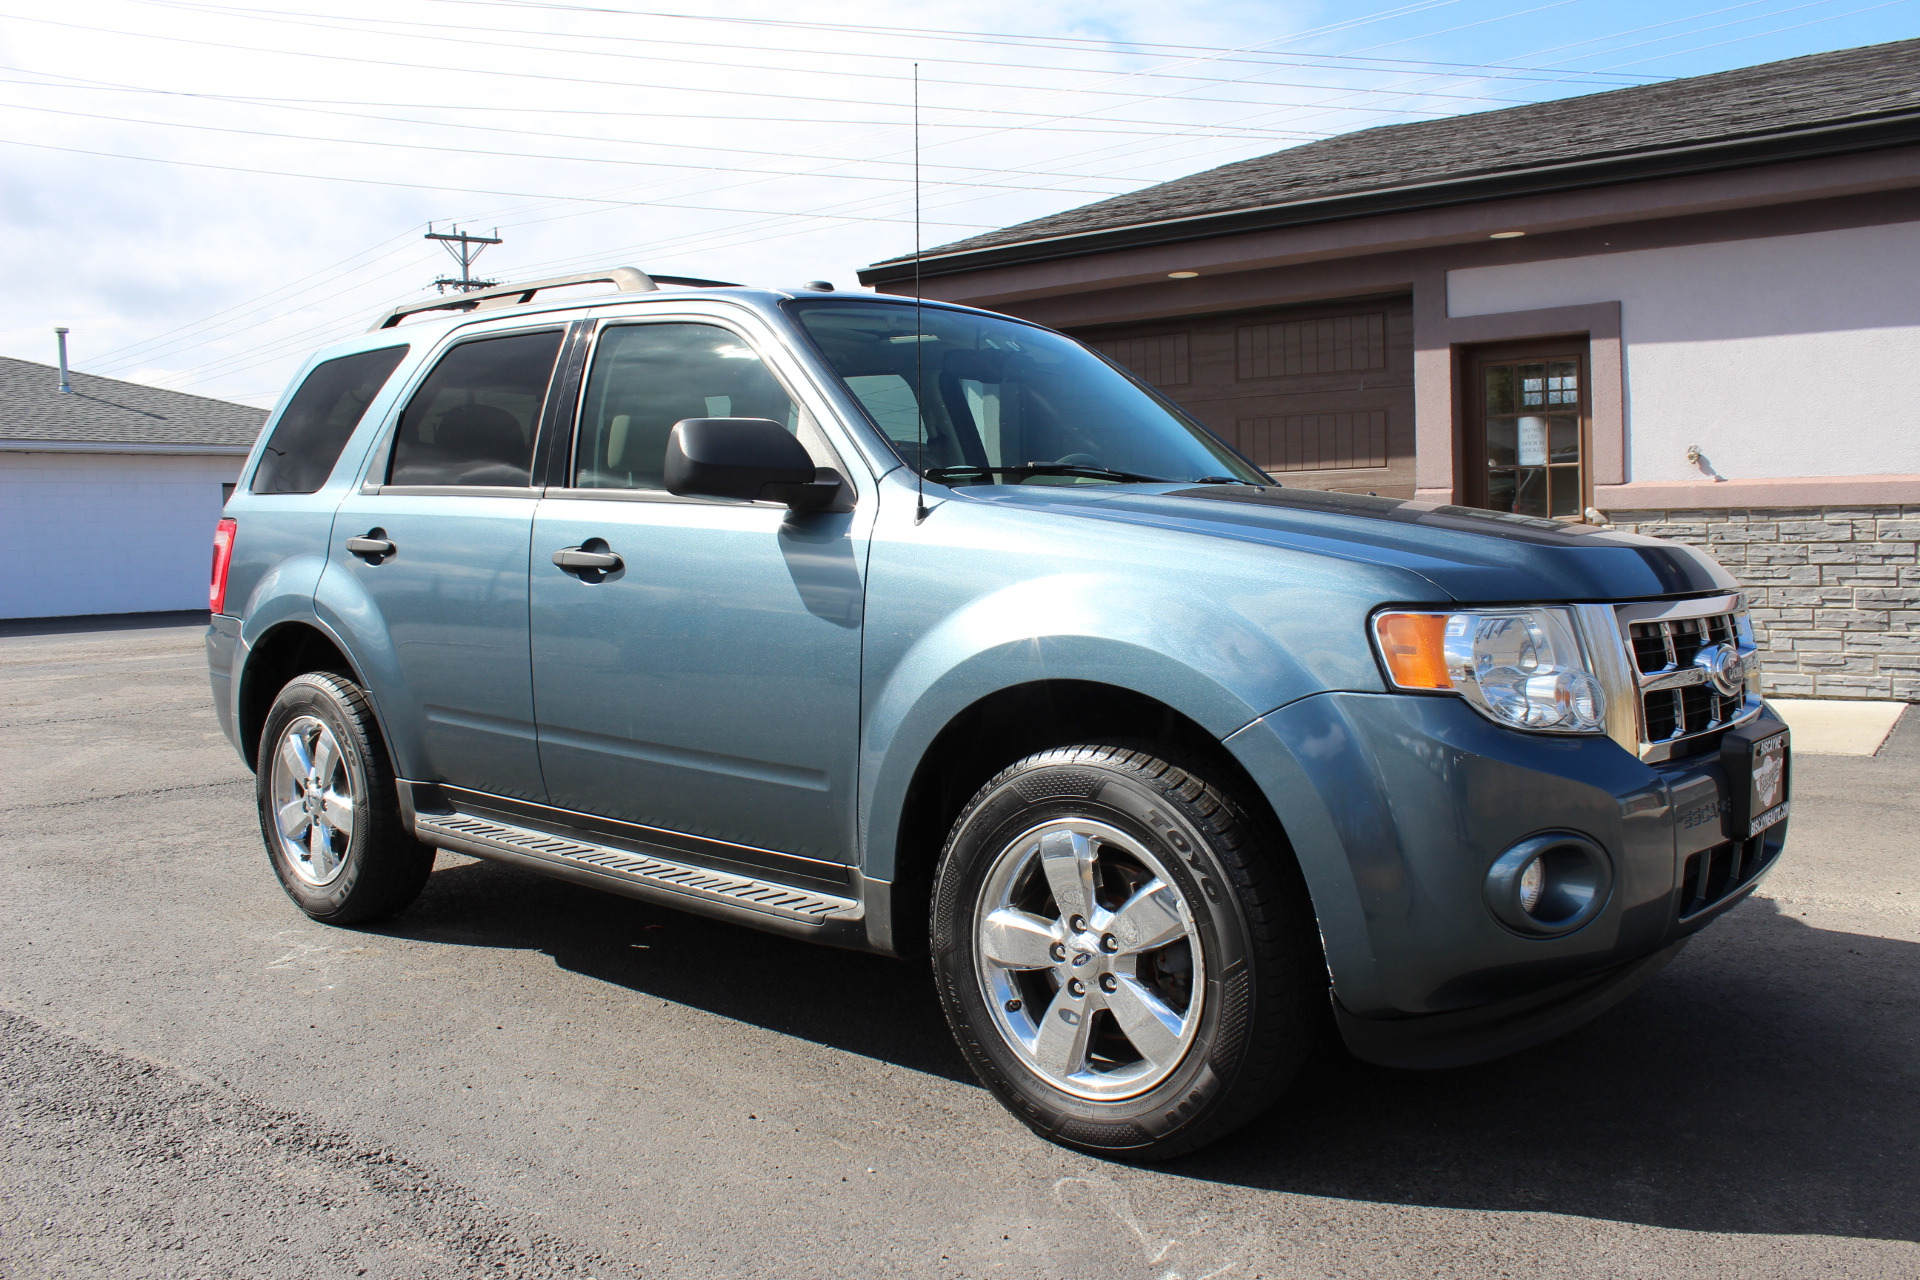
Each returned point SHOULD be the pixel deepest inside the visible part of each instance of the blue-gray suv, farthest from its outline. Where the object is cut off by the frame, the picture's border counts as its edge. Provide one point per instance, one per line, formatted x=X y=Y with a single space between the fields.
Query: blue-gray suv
x=923 y=630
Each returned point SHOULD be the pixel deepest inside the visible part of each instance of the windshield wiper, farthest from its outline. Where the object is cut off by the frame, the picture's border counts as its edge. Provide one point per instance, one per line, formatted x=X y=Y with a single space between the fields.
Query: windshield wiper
x=943 y=475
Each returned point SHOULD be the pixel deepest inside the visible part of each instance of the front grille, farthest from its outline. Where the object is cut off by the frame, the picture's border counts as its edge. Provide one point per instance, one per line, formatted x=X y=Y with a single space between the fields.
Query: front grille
x=1663 y=655
x=1713 y=875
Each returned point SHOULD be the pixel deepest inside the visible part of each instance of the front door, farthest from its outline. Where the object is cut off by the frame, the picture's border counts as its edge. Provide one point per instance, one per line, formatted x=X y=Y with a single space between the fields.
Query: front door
x=708 y=684
x=437 y=539
x=1526 y=434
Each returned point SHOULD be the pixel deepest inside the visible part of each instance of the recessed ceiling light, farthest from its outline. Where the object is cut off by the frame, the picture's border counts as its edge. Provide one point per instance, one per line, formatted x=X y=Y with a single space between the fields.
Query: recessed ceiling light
x=1506 y=235
x=1181 y=275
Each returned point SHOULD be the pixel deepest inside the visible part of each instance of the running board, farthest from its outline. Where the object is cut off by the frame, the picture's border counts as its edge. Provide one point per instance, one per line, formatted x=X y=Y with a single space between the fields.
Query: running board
x=643 y=875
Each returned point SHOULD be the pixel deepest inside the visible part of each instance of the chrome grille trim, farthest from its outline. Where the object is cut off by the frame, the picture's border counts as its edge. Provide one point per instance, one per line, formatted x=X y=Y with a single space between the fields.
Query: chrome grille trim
x=464 y=831
x=1675 y=703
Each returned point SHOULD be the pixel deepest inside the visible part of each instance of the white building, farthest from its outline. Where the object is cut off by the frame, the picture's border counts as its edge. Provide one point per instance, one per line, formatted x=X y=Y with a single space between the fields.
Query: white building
x=109 y=493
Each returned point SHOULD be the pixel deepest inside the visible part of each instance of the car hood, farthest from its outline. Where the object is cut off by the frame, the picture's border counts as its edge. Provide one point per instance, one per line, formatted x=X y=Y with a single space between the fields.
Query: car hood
x=1471 y=555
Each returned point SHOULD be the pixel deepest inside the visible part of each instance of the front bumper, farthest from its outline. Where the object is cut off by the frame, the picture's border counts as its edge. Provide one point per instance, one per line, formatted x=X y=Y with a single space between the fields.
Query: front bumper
x=1397 y=805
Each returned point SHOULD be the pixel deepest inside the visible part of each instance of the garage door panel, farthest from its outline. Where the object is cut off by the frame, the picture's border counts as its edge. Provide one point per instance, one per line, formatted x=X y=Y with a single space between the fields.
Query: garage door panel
x=1321 y=396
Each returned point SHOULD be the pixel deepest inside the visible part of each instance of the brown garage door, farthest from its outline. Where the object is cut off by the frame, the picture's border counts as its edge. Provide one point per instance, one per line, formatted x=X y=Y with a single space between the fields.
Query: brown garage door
x=1320 y=396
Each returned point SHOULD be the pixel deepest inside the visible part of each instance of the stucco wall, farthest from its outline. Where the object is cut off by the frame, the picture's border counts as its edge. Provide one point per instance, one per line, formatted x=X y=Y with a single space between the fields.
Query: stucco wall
x=1783 y=356
x=107 y=533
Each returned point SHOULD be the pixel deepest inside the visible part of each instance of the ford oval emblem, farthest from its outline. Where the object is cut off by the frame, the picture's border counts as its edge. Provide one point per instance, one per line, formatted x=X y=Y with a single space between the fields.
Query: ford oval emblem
x=1726 y=668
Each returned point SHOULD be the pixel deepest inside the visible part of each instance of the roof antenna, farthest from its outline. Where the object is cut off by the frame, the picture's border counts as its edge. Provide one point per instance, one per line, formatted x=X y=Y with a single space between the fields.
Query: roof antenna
x=919 y=381
x=66 y=383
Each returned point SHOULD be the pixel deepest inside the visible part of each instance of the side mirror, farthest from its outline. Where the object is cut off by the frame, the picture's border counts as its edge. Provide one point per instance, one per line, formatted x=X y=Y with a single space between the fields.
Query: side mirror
x=755 y=459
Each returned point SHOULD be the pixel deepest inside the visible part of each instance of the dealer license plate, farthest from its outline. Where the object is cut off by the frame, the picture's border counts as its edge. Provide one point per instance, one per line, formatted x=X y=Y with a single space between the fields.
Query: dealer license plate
x=1766 y=782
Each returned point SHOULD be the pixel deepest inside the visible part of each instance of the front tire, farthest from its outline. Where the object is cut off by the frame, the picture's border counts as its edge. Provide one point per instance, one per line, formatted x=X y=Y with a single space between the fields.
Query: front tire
x=329 y=811
x=1124 y=952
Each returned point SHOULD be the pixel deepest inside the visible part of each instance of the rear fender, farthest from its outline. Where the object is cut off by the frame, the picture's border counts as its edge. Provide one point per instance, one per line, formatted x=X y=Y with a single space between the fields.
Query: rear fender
x=345 y=611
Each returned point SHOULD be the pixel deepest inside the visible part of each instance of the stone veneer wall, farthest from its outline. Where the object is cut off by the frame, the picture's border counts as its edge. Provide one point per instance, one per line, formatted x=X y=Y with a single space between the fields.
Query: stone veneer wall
x=1835 y=591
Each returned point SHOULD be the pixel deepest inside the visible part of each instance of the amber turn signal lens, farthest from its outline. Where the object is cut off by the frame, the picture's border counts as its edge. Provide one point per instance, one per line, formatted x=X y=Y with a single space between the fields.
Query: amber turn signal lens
x=1415 y=647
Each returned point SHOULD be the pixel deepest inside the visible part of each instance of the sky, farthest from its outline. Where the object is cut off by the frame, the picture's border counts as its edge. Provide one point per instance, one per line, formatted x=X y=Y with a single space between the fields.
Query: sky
x=206 y=193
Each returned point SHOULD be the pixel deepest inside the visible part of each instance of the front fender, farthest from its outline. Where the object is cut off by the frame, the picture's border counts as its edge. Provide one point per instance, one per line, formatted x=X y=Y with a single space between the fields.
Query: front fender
x=1203 y=661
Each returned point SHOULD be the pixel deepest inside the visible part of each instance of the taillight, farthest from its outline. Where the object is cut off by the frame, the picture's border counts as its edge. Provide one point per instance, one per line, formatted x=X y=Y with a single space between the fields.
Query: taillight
x=222 y=558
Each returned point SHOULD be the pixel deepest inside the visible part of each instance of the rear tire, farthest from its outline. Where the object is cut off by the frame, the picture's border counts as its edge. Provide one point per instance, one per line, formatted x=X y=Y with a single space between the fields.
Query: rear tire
x=1124 y=952
x=329 y=810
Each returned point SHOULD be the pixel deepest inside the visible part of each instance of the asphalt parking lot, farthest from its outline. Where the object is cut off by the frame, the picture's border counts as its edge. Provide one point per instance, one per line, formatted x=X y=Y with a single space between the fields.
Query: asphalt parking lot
x=523 y=1078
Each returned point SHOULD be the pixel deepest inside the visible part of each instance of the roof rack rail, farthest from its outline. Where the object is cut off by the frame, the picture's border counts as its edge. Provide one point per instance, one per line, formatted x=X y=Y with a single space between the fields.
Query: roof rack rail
x=625 y=279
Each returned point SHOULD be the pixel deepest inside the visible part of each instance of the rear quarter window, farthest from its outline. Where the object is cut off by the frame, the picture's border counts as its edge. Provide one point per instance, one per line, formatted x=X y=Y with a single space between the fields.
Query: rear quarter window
x=311 y=433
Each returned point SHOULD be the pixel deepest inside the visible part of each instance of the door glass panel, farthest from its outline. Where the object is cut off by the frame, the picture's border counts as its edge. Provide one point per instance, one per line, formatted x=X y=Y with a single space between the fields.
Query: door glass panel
x=646 y=377
x=472 y=422
x=1565 y=482
x=1531 y=434
x=1565 y=438
x=1500 y=389
x=1563 y=382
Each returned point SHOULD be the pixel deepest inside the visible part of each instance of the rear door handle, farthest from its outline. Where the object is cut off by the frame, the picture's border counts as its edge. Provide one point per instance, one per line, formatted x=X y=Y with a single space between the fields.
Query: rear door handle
x=373 y=546
x=580 y=560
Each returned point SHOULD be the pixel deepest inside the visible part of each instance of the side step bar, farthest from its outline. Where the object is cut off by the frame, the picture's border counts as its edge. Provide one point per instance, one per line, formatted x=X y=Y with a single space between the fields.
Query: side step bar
x=653 y=876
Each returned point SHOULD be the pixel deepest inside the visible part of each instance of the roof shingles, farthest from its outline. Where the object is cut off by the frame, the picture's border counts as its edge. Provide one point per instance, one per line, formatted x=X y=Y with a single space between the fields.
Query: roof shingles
x=1799 y=93
x=106 y=411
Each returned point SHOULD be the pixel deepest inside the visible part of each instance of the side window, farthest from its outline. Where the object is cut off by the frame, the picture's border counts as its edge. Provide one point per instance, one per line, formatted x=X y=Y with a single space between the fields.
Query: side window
x=645 y=378
x=472 y=422
x=307 y=440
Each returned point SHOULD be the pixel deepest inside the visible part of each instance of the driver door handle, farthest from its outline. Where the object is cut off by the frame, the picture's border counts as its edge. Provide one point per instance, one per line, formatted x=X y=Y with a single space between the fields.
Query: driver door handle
x=575 y=560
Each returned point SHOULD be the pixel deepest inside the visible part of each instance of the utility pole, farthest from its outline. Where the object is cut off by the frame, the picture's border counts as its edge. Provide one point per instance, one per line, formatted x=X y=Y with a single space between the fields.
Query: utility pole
x=466 y=249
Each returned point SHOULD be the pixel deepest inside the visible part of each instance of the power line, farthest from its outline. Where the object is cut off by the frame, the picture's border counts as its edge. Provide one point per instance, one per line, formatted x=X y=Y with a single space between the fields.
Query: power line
x=315 y=105
x=491 y=153
x=333 y=22
x=430 y=186
x=1071 y=43
x=584 y=80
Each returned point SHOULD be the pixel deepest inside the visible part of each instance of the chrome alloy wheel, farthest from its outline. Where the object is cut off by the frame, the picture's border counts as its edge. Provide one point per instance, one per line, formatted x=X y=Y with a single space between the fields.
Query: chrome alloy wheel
x=1089 y=960
x=312 y=801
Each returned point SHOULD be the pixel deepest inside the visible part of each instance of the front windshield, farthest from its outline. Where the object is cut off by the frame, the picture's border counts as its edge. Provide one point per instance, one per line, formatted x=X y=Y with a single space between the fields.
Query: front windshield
x=1007 y=403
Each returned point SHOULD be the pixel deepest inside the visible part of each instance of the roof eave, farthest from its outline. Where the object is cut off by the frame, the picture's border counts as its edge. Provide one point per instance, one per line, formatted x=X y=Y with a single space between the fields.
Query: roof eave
x=1893 y=129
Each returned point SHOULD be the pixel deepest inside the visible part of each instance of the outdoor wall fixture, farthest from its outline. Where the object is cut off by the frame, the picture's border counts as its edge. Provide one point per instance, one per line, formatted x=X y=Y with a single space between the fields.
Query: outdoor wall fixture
x=1181 y=275
x=1506 y=235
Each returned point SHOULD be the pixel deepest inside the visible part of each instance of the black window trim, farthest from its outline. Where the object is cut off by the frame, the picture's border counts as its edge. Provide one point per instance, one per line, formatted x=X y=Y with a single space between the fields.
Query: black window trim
x=566 y=445
x=380 y=459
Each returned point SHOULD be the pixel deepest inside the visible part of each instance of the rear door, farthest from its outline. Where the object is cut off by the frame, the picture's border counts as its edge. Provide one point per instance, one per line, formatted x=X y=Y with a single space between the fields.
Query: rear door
x=436 y=538
x=709 y=685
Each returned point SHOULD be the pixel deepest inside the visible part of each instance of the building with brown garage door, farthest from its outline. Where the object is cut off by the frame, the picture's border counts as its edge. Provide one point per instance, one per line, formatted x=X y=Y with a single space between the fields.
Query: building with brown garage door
x=1691 y=307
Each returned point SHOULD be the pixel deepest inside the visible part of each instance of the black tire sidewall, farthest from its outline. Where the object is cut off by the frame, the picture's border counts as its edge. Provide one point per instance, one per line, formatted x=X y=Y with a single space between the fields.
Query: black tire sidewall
x=1125 y=799
x=320 y=696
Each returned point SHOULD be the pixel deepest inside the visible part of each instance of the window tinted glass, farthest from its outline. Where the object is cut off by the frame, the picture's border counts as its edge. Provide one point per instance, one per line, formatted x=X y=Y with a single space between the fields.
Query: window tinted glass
x=994 y=395
x=307 y=440
x=473 y=420
x=645 y=378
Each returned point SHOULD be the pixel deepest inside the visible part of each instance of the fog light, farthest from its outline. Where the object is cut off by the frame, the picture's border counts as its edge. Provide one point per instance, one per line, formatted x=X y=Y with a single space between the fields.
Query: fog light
x=1550 y=884
x=1533 y=883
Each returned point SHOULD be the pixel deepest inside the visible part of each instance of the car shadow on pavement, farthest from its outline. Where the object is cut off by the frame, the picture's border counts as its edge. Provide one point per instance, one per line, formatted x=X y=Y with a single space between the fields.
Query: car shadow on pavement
x=1765 y=1082
x=866 y=1004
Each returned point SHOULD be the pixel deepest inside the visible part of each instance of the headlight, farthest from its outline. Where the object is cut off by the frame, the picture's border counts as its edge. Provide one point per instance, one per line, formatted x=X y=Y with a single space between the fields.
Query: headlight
x=1520 y=667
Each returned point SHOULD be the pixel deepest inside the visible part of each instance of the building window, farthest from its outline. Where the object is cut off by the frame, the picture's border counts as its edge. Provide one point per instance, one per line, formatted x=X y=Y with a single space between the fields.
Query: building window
x=1526 y=442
